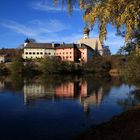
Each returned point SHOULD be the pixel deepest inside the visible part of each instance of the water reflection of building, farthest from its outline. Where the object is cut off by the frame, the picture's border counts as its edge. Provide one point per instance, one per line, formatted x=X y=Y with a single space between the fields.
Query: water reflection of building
x=65 y=90
x=35 y=91
x=1 y=85
x=95 y=98
x=72 y=89
x=79 y=89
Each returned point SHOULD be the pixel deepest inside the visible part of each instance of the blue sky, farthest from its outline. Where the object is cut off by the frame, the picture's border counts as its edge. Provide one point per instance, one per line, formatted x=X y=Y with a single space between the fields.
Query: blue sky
x=41 y=20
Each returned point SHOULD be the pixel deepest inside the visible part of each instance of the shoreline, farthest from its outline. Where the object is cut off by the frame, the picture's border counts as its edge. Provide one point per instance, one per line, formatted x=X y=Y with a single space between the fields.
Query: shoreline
x=125 y=126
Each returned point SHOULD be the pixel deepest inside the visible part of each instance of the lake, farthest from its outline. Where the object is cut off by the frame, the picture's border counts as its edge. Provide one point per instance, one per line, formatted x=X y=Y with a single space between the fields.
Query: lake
x=59 y=107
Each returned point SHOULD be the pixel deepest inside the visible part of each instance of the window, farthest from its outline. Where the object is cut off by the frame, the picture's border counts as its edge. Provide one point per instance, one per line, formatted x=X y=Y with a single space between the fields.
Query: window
x=63 y=53
x=67 y=53
x=33 y=52
x=70 y=56
x=30 y=53
x=49 y=53
x=41 y=53
x=26 y=53
x=37 y=52
x=70 y=52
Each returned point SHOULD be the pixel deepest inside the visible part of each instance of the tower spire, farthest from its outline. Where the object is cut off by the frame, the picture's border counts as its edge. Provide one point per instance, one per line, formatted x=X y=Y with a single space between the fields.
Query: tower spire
x=86 y=32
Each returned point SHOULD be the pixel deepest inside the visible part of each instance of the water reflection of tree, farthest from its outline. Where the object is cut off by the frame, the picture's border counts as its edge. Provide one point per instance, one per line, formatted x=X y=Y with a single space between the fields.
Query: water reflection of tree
x=95 y=86
x=133 y=98
x=13 y=83
x=17 y=82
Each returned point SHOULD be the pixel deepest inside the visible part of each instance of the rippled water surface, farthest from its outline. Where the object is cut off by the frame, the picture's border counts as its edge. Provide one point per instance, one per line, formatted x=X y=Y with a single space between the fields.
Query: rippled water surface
x=59 y=108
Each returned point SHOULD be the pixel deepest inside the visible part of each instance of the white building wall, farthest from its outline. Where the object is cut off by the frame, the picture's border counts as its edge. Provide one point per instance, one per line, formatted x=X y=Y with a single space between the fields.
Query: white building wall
x=2 y=59
x=49 y=52
x=35 y=53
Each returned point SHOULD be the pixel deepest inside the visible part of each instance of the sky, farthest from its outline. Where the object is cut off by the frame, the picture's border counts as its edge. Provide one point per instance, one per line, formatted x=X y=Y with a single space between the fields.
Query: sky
x=45 y=22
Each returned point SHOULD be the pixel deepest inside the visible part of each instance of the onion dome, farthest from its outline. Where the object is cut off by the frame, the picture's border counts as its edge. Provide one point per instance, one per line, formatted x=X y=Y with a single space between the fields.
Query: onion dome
x=86 y=30
x=27 y=40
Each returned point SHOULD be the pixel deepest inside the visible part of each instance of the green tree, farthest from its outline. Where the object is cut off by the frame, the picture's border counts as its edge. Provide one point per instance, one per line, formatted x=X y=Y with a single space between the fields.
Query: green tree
x=3 y=69
x=17 y=66
x=121 y=51
x=98 y=65
x=50 y=65
x=132 y=44
x=131 y=69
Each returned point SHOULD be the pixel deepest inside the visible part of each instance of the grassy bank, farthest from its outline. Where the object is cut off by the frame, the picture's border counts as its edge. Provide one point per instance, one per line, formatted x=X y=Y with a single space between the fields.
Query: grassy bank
x=125 y=126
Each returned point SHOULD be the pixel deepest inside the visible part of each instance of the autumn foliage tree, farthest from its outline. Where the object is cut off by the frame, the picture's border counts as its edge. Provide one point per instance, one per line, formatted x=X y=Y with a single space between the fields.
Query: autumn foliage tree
x=123 y=14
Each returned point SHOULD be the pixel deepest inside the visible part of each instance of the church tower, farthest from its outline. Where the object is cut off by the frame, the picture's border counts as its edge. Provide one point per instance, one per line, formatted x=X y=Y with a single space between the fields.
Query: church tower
x=26 y=42
x=86 y=33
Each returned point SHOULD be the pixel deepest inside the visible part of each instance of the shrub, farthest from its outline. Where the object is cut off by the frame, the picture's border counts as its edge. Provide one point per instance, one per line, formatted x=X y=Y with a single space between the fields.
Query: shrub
x=131 y=70
x=17 y=66
x=97 y=65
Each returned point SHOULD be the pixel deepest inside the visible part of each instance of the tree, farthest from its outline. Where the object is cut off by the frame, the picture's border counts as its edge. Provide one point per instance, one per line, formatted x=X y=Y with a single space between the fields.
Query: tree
x=131 y=70
x=50 y=65
x=17 y=66
x=3 y=69
x=121 y=51
x=132 y=44
x=123 y=14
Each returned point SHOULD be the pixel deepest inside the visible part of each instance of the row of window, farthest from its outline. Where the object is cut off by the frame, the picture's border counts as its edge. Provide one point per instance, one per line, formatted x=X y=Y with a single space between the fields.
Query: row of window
x=46 y=53
x=34 y=53
x=66 y=57
x=42 y=57
x=38 y=53
x=32 y=57
x=63 y=53
x=41 y=53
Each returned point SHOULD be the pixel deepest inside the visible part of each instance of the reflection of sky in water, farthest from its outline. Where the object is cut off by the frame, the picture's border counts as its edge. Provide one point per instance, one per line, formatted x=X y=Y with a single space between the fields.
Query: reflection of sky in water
x=57 y=111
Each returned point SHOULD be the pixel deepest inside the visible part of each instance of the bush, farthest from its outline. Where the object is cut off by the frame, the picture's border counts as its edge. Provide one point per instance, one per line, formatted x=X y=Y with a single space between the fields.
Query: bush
x=97 y=65
x=3 y=69
x=55 y=65
x=50 y=65
x=30 y=68
x=17 y=66
x=131 y=70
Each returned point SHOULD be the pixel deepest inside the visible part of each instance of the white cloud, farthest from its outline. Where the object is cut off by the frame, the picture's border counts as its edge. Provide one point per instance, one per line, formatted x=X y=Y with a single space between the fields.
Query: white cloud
x=42 y=31
x=35 y=27
x=45 y=5
x=19 y=28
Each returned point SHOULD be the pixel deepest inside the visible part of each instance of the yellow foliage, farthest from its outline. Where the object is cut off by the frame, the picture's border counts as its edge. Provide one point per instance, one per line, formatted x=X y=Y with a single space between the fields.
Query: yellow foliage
x=119 y=13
